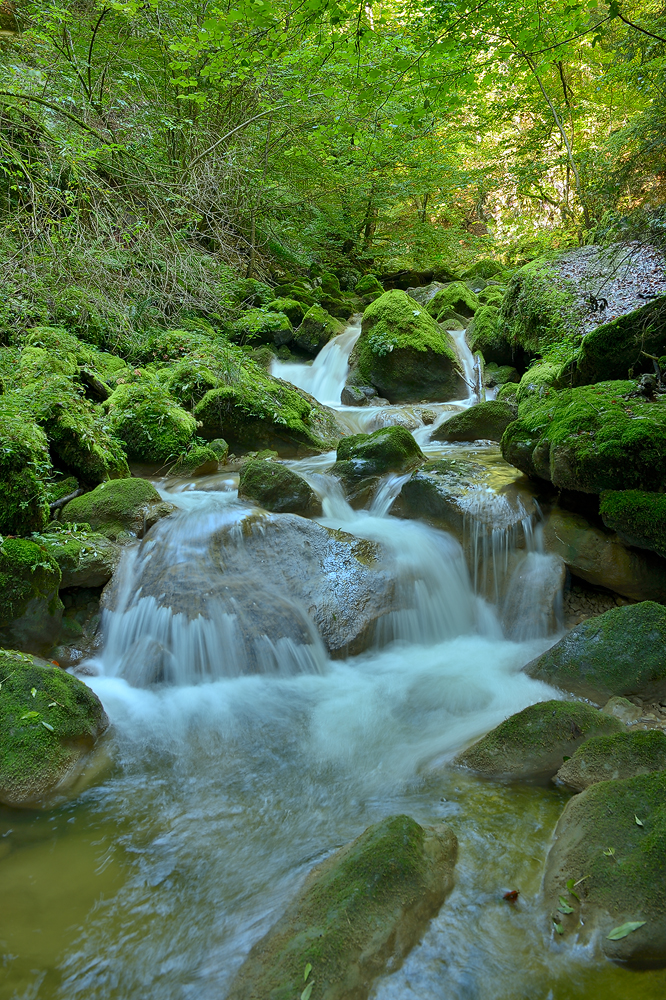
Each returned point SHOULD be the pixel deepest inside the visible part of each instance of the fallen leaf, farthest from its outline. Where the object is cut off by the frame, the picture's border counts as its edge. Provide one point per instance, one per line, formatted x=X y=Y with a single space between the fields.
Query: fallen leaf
x=308 y=970
x=558 y=927
x=571 y=889
x=305 y=995
x=638 y=821
x=624 y=929
x=512 y=895
x=609 y=852
x=564 y=906
x=47 y=726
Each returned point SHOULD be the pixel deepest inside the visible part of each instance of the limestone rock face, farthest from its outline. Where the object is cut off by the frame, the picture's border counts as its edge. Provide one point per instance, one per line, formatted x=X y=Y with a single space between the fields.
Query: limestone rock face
x=358 y=915
x=532 y=744
x=620 y=652
x=607 y=758
x=621 y=865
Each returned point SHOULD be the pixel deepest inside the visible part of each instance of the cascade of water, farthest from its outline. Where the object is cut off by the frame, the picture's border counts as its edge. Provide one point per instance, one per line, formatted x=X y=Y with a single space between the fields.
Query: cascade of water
x=325 y=377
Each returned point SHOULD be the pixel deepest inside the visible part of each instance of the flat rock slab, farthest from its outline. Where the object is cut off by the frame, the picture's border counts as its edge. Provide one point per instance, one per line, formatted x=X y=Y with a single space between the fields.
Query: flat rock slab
x=358 y=915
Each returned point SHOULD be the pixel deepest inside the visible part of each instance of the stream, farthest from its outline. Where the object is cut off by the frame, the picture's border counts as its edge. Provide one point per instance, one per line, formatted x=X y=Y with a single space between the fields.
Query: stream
x=224 y=789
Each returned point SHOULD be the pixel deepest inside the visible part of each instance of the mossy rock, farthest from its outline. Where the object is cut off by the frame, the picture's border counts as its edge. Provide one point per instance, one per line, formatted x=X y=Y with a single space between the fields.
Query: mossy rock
x=276 y=488
x=200 y=460
x=508 y=393
x=316 y=330
x=369 y=284
x=456 y=296
x=531 y=745
x=151 y=425
x=253 y=292
x=330 y=284
x=404 y=354
x=609 y=758
x=590 y=439
x=537 y=380
x=358 y=915
x=486 y=421
x=339 y=308
x=390 y=449
x=30 y=609
x=638 y=517
x=119 y=508
x=220 y=449
x=85 y=558
x=49 y=722
x=291 y=308
x=262 y=326
x=617 y=865
x=189 y=380
x=484 y=335
x=620 y=652
x=621 y=349
x=24 y=464
x=540 y=309
x=298 y=292
x=492 y=295
x=164 y=347
x=486 y=268
x=61 y=486
x=495 y=374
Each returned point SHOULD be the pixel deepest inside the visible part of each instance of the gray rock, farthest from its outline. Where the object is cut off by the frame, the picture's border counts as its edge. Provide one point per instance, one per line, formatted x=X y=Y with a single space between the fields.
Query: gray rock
x=353 y=396
x=277 y=488
x=609 y=758
x=86 y=559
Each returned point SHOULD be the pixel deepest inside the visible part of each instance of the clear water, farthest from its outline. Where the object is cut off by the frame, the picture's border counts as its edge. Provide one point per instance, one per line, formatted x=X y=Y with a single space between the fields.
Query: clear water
x=154 y=883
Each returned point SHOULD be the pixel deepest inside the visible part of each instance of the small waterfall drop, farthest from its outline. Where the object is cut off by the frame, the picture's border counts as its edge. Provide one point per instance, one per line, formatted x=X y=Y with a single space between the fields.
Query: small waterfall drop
x=325 y=377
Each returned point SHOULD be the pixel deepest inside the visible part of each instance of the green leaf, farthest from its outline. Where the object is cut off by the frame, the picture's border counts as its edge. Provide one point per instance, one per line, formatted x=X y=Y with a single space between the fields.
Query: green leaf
x=33 y=692
x=308 y=970
x=558 y=927
x=624 y=929
x=30 y=715
x=638 y=821
x=305 y=995
x=571 y=889
x=564 y=906
x=47 y=726
x=609 y=852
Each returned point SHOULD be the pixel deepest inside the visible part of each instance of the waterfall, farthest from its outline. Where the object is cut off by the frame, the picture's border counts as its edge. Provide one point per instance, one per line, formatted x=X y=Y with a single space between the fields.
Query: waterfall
x=325 y=377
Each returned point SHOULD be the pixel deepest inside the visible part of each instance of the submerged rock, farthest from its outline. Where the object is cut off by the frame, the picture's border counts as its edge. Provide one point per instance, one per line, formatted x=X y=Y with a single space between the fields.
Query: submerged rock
x=357 y=917
x=618 y=653
x=404 y=354
x=49 y=722
x=609 y=846
x=30 y=609
x=119 y=508
x=532 y=744
x=609 y=758
x=486 y=421
x=277 y=488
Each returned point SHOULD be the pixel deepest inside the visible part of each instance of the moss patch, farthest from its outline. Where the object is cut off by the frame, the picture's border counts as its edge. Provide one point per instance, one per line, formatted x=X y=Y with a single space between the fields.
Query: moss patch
x=456 y=296
x=539 y=309
x=390 y=449
x=316 y=330
x=151 y=425
x=537 y=380
x=609 y=758
x=486 y=421
x=276 y=488
x=615 y=350
x=125 y=505
x=369 y=284
x=638 y=517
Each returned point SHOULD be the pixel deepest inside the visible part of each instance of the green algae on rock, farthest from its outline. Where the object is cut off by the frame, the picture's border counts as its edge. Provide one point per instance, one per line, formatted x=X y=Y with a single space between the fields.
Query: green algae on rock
x=486 y=421
x=200 y=460
x=151 y=425
x=620 y=652
x=316 y=330
x=24 y=464
x=276 y=488
x=30 y=609
x=532 y=744
x=119 y=508
x=358 y=915
x=49 y=722
x=403 y=353
x=609 y=758
x=638 y=517
x=85 y=558
x=456 y=296
x=390 y=449
x=616 y=865
x=590 y=439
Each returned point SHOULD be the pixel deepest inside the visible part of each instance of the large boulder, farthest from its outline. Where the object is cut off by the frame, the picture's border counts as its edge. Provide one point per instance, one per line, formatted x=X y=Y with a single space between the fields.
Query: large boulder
x=276 y=488
x=532 y=744
x=389 y=449
x=622 y=348
x=30 y=609
x=151 y=425
x=456 y=296
x=537 y=381
x=357 y=917
x=49 y=722
x=609 y=758
x=316 y=330
x=291 y=308
x=263 y=326
x=606 y=871
x=486 y=421
x=24 y=463
x=369 y=284
x=119 y=509
x=85 y=558
x=485 y=335
x=638 y=517
x=590 y=439
x=620 y=652
x=404 y=354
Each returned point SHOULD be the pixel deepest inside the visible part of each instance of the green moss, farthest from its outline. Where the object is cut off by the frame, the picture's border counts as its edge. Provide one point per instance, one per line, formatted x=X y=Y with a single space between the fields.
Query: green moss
x=539 y=309
x=151 y=425
x=316 y=330
x=220 y=448
x=492 y=295
x=27 y=572
x=390 y=449
x=166 y=346
x=484 y=268
x=403 y=353
x=262 y=326
x=37 y=731
x=609 y=758
x=617 y=653
x=500 y=374
x=85 y=558
x=200 y=460
x=61 y=344
x=276 y=488
x=253 y=292
x=369 y=284
x=591 y=438
x=534 y=742
x=618 y=350
x=486 y=421
x=291 y=308
x=638 y=517
x=456 y=296
x=189 y=380
x=484 y=335
x=508 y=393
x=119 y=504
x=537 y=380
x=24 y=462
x=330 y=284
x=298 y=292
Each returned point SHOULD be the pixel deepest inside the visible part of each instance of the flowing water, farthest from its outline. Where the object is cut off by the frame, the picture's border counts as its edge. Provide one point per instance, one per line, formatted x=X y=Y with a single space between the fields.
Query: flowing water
x=226 y=788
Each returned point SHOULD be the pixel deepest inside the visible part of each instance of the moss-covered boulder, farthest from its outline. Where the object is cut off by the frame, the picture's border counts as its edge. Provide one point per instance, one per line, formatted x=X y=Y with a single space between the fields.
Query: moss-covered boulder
x=404 y=354
x=330 y=284
x=541 y=307
x=316 y=330
x=262 y=326
x=85 y=558
x=30 y=609
x=609 y=758
x=620 y=652
x=532 y=744
x=118 y=509
x=189 y=380
x=537 y=381
x=484 y=334
x=390 y=449
x=220 y=449
x=299 y=292
x=291 y=308
x=49 y=722
x=486 y=421
x=499 y=375
x=621 y=349
x=638 y=517
x=590 y=439
x=200 y=460
x=151 y=425
x=456 y=296
x=491 y=295
x=606 y=871
x=485 y=267
x=358 y=915
x=24 y=464
x=276 y=488
x=369 y=284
